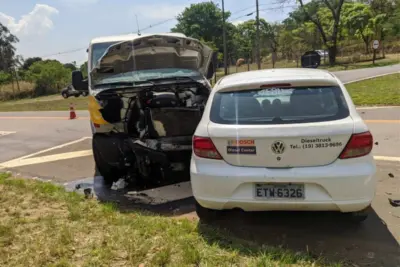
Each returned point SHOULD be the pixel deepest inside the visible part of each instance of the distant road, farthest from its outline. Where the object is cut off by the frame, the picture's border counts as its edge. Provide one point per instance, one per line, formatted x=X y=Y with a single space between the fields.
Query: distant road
x=347 y=76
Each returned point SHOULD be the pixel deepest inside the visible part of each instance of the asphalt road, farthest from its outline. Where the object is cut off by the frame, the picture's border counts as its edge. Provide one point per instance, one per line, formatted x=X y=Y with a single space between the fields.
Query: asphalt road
x=347 y=76
x=49 y=146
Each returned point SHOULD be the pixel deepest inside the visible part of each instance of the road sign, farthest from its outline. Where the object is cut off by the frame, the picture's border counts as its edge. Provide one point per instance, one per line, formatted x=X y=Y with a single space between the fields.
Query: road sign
x=375 y=44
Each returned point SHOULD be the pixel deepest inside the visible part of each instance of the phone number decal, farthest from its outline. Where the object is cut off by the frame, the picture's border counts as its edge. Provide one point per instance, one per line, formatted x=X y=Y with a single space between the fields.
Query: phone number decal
x=318 y=145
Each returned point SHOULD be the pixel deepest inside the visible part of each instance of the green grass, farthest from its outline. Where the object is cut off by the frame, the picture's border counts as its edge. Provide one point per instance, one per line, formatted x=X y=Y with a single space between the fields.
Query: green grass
x=42 y=225
x=383 y=90
x=45 y=103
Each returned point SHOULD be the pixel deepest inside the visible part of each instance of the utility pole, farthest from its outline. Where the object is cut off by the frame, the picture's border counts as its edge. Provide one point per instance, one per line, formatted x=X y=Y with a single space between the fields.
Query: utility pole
x=258 y=37
x=224 y=39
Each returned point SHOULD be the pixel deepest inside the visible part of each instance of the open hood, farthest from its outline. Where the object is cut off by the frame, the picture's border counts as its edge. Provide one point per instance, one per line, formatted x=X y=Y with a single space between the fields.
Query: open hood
x=158 y=51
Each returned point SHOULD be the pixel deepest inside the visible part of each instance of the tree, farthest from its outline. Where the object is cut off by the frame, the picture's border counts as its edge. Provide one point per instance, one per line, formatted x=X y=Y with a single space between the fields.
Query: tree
x=7 y=49
x=49 y=76
x=29 y=61
x=84 y=69
x=325 y=13
x=204 y=21
x=359 y=20
x=245 y=38
x=70 y=66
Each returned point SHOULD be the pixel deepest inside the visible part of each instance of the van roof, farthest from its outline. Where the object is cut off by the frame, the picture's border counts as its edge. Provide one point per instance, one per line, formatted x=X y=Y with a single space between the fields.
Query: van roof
x=126 y=37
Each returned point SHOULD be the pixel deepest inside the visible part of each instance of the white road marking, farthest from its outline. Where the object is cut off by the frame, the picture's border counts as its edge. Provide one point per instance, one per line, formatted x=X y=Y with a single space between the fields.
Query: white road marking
x=384 y=158
x=4 y=133
x=45 y=159
x=53 y=148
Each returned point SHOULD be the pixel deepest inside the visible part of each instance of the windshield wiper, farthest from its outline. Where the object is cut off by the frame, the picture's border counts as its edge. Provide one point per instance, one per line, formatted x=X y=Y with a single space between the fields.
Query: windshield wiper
x=173 y=78
x=123 y=84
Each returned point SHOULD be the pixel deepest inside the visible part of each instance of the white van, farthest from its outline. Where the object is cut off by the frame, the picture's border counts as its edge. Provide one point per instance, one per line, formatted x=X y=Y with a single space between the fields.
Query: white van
x=146 y=97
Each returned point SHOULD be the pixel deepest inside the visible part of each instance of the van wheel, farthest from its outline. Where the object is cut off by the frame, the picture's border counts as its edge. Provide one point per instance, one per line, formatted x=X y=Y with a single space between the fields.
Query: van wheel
x=359 y=216
x=207 y=215
x=110 y=174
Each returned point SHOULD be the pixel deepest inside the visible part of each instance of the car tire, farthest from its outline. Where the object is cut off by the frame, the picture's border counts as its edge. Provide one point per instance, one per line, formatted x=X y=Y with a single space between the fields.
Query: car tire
x=110 y=174
x=359 y=216
x=65 y=96
x=207 y=215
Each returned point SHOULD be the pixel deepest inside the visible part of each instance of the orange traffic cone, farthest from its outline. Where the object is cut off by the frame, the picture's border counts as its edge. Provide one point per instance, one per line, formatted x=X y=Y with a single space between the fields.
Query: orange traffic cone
x=72 y=114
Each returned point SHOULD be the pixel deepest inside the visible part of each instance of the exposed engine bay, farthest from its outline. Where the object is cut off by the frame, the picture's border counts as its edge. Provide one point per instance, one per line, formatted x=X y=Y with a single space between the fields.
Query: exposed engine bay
x=152 y=128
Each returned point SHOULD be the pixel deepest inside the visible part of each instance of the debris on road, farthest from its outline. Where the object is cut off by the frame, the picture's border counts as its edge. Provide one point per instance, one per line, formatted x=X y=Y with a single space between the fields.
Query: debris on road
x=391 y=175
x=394 y=203
x=376 y=143
x=120 y=184
x=88 y=193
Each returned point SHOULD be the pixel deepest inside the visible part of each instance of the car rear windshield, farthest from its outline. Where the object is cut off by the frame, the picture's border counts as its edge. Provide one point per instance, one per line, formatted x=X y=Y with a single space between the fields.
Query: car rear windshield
x=279 y=105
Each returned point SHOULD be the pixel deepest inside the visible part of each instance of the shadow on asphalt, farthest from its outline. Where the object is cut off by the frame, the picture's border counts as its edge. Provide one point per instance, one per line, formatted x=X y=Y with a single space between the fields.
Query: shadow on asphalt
x=318 y=234
x=132 y=197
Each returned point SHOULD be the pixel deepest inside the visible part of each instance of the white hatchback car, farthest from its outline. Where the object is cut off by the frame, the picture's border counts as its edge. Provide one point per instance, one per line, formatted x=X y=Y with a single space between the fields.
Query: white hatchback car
x=282 y=139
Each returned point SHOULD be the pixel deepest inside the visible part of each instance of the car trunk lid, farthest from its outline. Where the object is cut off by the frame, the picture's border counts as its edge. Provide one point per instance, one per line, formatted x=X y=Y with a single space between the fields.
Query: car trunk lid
x=281 y=146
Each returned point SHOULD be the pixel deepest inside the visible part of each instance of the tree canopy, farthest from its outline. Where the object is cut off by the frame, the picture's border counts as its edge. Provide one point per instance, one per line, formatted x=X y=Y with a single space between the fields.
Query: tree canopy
x=319 y=24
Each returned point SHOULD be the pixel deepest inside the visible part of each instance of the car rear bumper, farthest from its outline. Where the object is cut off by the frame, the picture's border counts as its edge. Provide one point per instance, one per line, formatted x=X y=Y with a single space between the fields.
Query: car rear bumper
x=345 y=185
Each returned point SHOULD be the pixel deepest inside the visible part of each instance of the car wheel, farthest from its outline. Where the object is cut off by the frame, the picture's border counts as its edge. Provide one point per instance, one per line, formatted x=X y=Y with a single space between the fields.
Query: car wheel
x=64 y=95
x=207 y=215
x=110 y=174
x=359 y=216
x=85 y=94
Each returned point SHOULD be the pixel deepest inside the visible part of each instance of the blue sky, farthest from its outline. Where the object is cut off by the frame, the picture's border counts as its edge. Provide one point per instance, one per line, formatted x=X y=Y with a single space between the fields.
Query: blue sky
x=48 y=27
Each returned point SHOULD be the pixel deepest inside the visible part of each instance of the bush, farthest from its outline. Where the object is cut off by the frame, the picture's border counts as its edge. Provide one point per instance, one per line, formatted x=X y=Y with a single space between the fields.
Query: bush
x=4 y=77
x=49 y=77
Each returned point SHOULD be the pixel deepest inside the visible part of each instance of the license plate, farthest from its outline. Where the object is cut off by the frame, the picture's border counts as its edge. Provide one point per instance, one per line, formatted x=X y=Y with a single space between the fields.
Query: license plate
x=279 y=191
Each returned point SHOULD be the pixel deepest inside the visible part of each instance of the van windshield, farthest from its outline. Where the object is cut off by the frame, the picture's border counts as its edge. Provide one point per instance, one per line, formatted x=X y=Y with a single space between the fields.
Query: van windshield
x=98 y=50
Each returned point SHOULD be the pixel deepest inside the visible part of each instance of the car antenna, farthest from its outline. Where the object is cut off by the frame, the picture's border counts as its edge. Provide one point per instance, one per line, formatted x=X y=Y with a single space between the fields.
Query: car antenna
x=137 y=24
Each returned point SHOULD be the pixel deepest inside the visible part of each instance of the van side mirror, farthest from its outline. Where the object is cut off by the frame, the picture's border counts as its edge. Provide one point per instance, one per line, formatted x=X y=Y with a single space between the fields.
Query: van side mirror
x=213 y=65
x=78 y=82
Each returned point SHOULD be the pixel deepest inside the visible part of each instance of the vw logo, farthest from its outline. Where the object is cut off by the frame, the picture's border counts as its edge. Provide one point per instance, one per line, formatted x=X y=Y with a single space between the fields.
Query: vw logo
x=278 y=147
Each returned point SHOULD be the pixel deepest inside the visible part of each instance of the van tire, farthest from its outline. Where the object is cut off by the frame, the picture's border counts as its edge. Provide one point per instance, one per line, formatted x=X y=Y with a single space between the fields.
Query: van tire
x=110 y=174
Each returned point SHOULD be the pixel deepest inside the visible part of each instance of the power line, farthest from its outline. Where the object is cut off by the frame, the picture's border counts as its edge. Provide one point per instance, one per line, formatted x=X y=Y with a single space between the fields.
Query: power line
x=64 y=52
x=265 y=9
x=170 y=19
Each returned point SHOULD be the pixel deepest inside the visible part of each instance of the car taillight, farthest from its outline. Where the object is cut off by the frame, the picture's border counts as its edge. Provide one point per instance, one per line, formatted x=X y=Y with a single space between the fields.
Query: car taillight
x=203 y=147
x=358 y=146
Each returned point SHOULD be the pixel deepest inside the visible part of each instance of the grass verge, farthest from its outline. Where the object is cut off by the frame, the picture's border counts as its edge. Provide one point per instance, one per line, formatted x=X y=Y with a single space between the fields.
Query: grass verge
x=45 y=103
x=383 y=90
x=42 y=225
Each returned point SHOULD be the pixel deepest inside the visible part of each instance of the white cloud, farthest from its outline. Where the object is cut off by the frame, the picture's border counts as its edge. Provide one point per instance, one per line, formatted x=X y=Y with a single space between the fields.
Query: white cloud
x=36 y=22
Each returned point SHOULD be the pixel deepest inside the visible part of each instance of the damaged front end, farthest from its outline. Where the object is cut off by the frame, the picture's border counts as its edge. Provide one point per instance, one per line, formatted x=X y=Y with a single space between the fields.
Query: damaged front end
x=151 y=129
x=147 y=97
